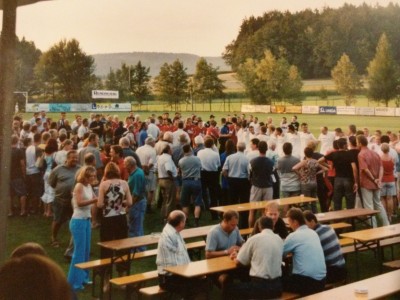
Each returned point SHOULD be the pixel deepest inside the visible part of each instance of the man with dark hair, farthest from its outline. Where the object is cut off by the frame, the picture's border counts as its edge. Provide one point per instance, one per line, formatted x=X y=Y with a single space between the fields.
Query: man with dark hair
x=17 y=175
x=253 y=152
x=236 y=169
x=97 y=127
x=371 y=173
x=261 y=169
x=92 y=147
x=260 y=252
x=346 y=179
x=334 y=260
x=309 y=270
x=290 y=184
x=190 y=169
x=171 y=251
x=224 y=135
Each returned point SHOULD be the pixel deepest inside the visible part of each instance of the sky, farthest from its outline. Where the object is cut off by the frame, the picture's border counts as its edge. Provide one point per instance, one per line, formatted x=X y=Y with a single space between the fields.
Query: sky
x=202 y=27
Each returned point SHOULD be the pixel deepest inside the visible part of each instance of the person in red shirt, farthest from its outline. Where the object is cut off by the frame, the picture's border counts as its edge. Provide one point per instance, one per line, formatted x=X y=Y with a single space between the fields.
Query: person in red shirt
x=213 y=131
x=117 y=156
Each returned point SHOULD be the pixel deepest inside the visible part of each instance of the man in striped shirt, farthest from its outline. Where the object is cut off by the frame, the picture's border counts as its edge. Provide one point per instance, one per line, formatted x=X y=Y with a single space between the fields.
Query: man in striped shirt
x=335 y=263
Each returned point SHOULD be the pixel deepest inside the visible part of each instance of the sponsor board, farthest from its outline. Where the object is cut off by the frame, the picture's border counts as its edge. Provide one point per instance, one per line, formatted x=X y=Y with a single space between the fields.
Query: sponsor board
x=36 y=107
x=345 y=110
x=247 y=108
x=310 y=109
x=111 y=107
x=293 y=109
x=327 y=110
x=397 y=112
x=278 y=109
x=385 y=111
x=365 y=111
x=103 y=94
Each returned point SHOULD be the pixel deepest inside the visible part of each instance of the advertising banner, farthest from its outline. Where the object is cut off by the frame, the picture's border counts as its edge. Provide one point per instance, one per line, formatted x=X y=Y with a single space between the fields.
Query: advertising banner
x=248 y=108
x=346 y=110
x=277 y=109
x=111 y=107
x=103 y=94
x=397 y=112
x=327 y=110
x=385 y=111
x=310 y=110
x=291 y=109
x=365 y=111
x=35 y=107
x=59 y=107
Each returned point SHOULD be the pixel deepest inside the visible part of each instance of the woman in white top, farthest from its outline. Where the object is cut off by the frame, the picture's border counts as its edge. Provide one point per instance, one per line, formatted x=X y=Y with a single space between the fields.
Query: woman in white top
x=80 y=225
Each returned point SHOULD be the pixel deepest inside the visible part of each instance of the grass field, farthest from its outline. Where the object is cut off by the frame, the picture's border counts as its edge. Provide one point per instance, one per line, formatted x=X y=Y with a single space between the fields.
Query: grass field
x=37 y=228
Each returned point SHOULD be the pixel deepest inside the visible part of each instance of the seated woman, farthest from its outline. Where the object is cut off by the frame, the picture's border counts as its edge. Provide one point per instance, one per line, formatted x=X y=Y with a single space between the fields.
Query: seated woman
x=272 y=211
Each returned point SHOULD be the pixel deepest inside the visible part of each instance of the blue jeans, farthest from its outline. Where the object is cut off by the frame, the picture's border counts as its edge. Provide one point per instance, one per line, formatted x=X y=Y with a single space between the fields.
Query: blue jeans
x=191 y=188
x=343 y=187
x=136 y=219
x=81 y=232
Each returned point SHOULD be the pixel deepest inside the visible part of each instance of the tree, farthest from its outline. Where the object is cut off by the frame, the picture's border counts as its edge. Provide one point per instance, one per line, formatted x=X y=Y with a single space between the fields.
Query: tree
x=68 y=69
x=271 y=79
x=140 y=82
x=346 y=79
x=27 y=56
x=172 y=83
x=206 y=84
x=383 y=74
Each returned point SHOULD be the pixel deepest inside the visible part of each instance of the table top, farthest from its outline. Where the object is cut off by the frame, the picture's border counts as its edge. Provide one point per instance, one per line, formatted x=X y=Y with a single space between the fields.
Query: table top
x=203 y=267
x=261 y=204
x=342 y=214
x=372 y=234
x=378 y=287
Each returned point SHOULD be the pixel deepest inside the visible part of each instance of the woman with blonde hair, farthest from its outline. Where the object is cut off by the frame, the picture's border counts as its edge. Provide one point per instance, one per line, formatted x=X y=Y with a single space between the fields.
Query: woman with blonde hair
x=82 y=199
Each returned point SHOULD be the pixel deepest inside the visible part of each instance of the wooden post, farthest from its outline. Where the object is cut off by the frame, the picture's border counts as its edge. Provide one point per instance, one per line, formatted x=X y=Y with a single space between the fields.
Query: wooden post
x=7 y=80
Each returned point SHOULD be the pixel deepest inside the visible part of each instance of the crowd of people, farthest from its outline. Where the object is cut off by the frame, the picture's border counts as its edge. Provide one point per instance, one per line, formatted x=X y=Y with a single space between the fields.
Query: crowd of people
x=105 y=172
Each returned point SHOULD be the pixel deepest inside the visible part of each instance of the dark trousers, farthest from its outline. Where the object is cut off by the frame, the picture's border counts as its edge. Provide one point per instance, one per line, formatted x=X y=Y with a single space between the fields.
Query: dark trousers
x=343 y=187
x=112 y=228
x=210 y=184
x=239 y=192
x=335 y=274
x=188 y=288
x=256 y=288
x=303 y=285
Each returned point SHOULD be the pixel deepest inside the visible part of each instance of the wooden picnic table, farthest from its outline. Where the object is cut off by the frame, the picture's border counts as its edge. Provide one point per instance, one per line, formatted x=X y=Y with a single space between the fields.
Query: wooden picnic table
x=203 y=267
x=377 y=287
x=361 y=215
x=297 y=200
x=370 y=239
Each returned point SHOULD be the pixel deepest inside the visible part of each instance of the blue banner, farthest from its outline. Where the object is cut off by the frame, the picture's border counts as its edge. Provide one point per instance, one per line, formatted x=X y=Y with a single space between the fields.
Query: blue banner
x=59 y=107
x=327 y=110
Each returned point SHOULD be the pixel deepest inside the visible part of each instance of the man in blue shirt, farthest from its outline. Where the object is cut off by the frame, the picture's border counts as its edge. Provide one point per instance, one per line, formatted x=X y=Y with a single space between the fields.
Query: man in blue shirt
x=309 y=270
x=137 y=186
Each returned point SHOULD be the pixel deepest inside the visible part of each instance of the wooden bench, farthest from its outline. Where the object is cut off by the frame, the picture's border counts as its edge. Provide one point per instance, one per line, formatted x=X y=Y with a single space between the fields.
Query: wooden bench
x=384 y=243
x=395 y=264
x=345 y=242
x=99 y=266
x=155 y=290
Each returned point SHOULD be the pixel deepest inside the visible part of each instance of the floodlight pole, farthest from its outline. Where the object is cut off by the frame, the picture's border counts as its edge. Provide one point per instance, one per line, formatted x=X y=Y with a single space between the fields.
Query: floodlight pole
x=7 y=80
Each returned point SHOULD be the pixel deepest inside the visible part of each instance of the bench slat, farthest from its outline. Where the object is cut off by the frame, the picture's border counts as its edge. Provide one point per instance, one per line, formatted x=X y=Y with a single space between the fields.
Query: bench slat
x=136 y=278
x=395 y=264
x=152 y=290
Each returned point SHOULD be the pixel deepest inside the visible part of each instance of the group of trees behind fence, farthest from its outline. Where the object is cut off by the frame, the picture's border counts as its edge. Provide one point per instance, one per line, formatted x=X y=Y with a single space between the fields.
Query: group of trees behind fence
x=270 y=55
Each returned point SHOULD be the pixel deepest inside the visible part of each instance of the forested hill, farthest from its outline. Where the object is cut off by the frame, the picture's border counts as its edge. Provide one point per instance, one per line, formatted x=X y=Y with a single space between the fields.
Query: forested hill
x=153 y=60
x=315 y=40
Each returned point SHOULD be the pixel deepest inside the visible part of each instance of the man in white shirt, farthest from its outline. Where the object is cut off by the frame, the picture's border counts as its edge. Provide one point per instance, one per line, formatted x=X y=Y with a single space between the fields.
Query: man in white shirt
x=171 y=251
x=305 y=138
x=260 y=252
x=176 y=134
x=166 y=174
x=210 y=168
x=84 y=128
x=326 y=139
x=148 y=157
x=152 y=129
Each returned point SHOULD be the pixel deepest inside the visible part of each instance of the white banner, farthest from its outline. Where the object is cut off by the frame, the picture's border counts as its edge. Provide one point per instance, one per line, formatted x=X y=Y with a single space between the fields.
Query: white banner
x=397 y=114
x=111 y=107
x=345 y=110
x=36 y=107
x=310 y=110
x=385 y=111
x=103 y=94
x=365 y=111
x=247 y=108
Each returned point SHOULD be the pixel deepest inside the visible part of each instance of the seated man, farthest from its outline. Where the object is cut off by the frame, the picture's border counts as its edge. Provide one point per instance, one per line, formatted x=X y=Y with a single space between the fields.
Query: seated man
x=171 y=251
x=309 y=270
x=335 y=263
x=224 y=239
x=262 y=252
x=279 y=226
